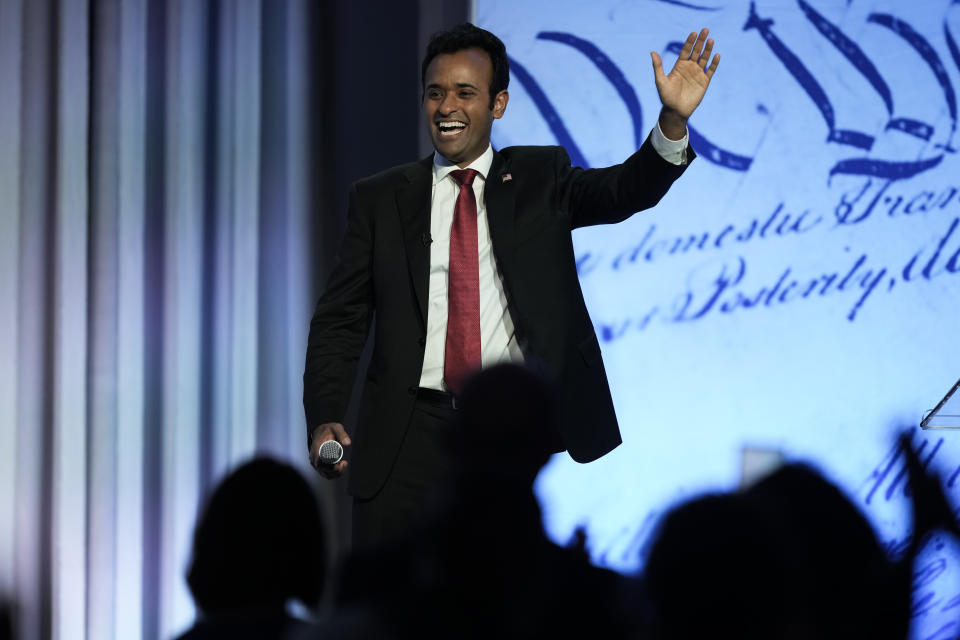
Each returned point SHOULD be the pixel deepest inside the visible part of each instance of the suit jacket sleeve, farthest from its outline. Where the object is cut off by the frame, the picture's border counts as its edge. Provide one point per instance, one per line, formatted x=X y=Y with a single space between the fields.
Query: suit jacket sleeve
x=340 y=324
x=613 y=194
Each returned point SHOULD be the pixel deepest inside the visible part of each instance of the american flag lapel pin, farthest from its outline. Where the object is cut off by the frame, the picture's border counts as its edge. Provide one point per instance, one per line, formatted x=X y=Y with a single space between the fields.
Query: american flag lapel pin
x=505 y=178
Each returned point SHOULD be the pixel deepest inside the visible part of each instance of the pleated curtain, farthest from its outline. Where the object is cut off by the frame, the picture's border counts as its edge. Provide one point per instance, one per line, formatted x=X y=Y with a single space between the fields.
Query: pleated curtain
x=155 y=203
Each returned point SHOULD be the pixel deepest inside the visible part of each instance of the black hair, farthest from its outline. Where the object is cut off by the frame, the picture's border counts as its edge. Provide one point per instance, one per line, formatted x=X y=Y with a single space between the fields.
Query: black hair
x=467 y=36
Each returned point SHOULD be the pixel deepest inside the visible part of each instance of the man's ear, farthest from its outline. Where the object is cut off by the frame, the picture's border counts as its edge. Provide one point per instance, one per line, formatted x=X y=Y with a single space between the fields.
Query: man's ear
x=500 y=104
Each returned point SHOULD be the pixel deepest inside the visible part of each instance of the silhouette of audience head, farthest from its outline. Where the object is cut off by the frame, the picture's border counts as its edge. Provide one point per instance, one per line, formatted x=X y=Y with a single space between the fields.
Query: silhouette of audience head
x=789 y=557
x=506 y=425
x=259 y=543
x=844 y=578
x=717 y=568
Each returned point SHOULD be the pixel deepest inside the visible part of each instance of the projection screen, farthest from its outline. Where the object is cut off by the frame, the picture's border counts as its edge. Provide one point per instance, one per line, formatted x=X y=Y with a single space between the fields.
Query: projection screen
x=797 y=293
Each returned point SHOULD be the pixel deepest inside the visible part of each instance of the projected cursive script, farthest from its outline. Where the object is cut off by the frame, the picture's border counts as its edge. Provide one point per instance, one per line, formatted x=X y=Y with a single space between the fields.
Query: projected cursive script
x=724 y=284
x=936 y=591
x=731 y=278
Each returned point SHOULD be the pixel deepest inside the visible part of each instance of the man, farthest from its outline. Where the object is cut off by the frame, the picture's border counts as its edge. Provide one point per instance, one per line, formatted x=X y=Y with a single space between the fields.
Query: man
x=467 y=260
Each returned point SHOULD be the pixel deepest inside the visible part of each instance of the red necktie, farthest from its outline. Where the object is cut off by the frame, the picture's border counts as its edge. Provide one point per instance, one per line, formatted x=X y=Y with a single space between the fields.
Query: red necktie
x=462 y=353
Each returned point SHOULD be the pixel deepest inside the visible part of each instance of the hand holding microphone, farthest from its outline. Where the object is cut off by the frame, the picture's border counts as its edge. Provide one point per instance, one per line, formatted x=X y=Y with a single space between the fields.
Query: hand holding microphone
x=331 y=452
x=326 y=449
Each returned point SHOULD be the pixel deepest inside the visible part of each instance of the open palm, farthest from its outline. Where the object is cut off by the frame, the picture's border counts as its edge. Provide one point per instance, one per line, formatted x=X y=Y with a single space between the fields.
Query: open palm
x=684 y=87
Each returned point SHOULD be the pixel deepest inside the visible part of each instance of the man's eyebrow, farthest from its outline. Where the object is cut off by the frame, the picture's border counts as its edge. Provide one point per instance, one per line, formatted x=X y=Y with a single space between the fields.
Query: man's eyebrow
x=460 y=85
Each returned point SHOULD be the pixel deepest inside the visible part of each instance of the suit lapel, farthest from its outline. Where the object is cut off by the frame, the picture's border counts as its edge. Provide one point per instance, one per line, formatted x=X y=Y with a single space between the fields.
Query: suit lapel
x=498 y=194
x=413 y=204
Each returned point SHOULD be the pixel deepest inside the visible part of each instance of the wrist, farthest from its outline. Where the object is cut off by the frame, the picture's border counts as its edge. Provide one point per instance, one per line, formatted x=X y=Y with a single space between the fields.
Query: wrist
x=672 y=124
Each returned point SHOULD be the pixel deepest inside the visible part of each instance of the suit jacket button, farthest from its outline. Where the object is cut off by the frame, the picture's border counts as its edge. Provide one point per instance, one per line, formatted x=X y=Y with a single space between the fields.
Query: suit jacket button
x=412 y=391
x=422 y=341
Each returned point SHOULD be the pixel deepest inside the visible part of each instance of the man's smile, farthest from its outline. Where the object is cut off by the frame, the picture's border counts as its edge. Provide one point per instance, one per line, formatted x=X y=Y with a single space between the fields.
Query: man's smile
x=451 y=128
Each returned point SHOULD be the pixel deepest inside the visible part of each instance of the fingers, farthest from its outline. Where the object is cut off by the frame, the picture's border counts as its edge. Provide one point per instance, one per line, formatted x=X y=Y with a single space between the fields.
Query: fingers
x=329 y=431
x=332 y=471
x=698 y=44
x=688 y=45
x=340 y=434
x=698 y=48
x=713 y=66
x=693 y=46
x=704 y=57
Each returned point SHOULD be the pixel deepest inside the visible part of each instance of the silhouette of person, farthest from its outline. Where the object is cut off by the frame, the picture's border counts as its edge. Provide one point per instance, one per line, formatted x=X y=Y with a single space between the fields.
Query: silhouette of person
x=718 y=567
x=259 y=543
x=790 y=557
x=848 y=585
x=483 y=566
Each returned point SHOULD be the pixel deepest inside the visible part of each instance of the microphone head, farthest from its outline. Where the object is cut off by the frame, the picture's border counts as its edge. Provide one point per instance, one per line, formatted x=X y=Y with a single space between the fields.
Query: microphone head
x=331 y=452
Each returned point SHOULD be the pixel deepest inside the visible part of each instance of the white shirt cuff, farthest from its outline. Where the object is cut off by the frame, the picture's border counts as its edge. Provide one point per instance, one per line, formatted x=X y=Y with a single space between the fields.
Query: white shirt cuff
x=673 y=151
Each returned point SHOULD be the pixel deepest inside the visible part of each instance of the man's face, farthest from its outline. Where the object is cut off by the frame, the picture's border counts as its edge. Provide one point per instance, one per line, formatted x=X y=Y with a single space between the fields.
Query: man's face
x=456 y=104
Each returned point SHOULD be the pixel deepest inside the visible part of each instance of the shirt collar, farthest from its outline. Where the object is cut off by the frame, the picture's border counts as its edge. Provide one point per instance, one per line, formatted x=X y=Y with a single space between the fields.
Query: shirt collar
x=442 y=167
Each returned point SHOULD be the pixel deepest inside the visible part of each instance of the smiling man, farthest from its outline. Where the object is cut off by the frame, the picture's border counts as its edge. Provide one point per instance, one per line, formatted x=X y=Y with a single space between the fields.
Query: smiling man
x=462 y=95
x=467 y=259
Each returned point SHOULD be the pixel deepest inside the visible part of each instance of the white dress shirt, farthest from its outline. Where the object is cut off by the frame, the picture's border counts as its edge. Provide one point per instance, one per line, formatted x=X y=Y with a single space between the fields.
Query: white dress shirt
x=497 y=340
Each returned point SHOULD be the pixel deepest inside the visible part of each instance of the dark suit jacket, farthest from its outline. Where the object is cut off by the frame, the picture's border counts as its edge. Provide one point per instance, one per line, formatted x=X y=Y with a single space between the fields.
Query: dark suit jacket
x=384 y=264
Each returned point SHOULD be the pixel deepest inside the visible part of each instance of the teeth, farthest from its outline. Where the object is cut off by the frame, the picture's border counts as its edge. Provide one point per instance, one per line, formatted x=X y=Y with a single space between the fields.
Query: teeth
x=451 y=125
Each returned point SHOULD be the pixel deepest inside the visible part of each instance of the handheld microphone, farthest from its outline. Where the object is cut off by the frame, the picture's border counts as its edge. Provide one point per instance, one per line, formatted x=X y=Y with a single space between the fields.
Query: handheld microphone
x=331 y=452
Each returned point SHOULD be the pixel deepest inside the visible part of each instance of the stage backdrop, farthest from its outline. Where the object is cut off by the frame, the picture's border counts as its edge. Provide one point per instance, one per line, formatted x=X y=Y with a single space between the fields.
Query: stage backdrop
x=798 y=290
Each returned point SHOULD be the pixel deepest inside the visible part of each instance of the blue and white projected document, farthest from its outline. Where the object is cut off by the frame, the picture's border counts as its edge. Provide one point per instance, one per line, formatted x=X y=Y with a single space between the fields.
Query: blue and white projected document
x=798 y=290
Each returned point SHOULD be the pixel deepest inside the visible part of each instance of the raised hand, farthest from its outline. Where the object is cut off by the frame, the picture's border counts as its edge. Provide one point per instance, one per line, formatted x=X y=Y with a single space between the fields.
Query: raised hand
x=684 y=87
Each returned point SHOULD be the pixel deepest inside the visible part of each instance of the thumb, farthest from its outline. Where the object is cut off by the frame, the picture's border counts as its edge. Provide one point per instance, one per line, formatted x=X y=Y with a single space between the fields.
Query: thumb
x=657 y=66
x=341 y=434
